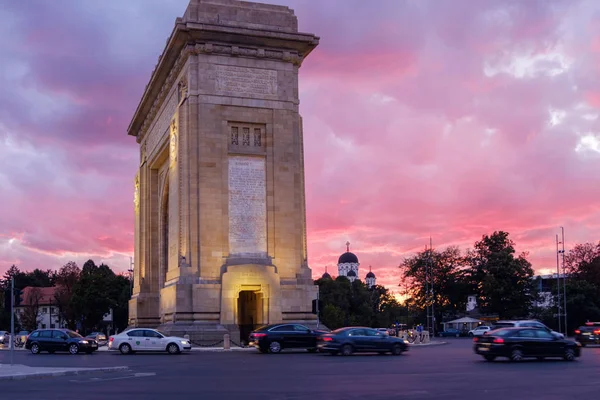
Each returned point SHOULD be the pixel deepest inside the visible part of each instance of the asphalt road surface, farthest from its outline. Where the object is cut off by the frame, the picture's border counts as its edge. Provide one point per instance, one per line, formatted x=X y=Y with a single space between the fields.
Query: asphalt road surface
x=449 y=371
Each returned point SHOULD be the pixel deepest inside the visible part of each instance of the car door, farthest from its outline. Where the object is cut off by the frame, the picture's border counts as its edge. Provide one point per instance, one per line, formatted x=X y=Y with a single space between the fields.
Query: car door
x=285 y=335
x=304 y=337
x=529 y=341
x=45 y=341
x=136 y=340
x=154 y=341
x=376 y=340
x=59 y=341
x=359 y=340
x=548 y=344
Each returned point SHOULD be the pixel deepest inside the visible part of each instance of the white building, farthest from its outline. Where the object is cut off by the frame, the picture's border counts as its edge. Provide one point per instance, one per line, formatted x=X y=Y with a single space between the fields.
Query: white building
x=370 y=279
x=348 y=264
x=40 y=303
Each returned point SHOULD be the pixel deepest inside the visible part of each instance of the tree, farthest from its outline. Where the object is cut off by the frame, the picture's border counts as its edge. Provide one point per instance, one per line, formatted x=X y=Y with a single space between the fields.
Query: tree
x=122 y=293
x=93 y=295
x=348 y=303
x=502 y=282
x=66 y=281
x=583 y=262
x=450 y=284
x=35 y=278
x=30 y=316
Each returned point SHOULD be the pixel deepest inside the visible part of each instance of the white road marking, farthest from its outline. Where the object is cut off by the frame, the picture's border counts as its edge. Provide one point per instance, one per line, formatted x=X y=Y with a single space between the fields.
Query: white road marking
x=136 y=375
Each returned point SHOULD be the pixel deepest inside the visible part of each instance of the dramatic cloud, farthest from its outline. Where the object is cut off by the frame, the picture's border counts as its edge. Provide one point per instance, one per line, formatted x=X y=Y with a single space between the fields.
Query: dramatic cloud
x=444 y=118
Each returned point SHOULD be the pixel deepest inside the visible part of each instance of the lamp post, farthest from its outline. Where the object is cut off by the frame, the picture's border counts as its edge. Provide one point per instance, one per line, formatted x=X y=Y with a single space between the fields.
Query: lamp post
x=130 y=270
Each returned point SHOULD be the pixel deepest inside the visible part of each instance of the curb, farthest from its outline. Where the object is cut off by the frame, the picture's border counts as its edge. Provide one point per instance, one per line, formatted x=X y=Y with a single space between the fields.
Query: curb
x=428 y=344
x=37 y=375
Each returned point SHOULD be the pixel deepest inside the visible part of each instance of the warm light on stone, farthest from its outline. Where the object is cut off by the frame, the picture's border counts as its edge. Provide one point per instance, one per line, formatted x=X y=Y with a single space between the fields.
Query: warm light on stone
x=220 y=237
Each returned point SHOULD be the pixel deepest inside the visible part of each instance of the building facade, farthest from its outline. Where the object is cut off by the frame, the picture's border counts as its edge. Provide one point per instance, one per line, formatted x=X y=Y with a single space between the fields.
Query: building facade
x=220 y=227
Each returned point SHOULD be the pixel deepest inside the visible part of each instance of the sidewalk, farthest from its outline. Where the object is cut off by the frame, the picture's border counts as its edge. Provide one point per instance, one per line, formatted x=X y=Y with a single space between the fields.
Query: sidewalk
x=197 y=348
x=433 y=343
x=16 y=371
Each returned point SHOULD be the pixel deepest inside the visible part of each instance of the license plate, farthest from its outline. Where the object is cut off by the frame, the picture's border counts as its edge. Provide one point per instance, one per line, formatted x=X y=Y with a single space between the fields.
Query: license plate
x=481 y=348
x=586 y=334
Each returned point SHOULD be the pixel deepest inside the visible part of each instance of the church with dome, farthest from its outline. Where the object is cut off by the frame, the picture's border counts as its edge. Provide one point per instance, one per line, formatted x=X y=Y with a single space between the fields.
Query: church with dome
x=348 y=266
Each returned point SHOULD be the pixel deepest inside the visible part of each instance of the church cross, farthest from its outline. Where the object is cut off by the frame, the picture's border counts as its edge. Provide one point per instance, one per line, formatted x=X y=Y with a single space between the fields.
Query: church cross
x=347 y=247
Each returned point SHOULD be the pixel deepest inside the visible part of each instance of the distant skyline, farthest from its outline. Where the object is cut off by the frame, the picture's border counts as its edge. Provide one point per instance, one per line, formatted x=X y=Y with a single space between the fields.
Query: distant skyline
x=445 y=118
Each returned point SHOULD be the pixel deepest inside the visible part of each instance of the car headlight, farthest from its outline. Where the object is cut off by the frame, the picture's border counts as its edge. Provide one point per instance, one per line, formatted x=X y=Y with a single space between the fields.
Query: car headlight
x=84 y=342
x=184 y=342
x=405 y=341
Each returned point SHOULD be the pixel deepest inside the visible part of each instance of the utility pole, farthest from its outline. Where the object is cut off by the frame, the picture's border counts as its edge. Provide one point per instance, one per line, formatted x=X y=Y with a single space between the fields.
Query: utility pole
x=12 y=319
x=432 y=332
x=562 y=252
x=318 y=310
x=558 y=297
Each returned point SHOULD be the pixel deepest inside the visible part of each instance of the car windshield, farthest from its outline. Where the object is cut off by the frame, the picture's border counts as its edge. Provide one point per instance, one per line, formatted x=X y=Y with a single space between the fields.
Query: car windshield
x=73 y=334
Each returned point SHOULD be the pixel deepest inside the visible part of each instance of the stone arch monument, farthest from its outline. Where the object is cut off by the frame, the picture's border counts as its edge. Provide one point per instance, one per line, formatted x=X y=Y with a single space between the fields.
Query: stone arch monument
x=220 y=227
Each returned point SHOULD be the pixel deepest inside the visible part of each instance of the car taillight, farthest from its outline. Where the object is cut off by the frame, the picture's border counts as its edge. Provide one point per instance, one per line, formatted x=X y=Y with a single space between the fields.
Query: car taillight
x=258 y=335
x=327 y=339
x=111 y=339
x=597 y=332
x=476 y=339
x=499 y=340
x=577 y=331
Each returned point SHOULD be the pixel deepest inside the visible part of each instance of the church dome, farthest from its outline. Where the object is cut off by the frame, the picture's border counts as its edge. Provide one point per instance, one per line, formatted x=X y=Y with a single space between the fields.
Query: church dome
x=370 y=275
x=351 y=273
x=326 y=276
x=348 y=257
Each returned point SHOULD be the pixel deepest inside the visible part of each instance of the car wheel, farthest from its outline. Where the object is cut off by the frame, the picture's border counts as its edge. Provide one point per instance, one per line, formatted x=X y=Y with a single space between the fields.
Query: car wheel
x=172 y=348
x=73 y=349
x=569 y=355
x=397 y=350
x=347 y=350
x=489 y=358
x=274 y=347
x=125 y=348
x=516 y=355
x=35 y=349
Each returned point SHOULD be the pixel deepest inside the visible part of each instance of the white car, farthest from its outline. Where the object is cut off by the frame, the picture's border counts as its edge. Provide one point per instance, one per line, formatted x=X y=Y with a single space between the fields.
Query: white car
x=480 y=330
x=144 y=339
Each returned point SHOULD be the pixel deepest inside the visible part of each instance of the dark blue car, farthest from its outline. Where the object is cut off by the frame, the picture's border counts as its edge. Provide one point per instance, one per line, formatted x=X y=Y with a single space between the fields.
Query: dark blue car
x=450 y=332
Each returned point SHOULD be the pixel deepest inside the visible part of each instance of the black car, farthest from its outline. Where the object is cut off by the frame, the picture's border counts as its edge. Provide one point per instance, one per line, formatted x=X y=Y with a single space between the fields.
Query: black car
x=519 y=343
x=358 y=339
x=52 y=340
x=274 y=338
x=588 y=334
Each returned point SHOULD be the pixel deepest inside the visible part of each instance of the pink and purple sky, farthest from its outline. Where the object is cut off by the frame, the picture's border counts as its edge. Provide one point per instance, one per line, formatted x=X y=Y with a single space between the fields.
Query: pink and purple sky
x=443 y=118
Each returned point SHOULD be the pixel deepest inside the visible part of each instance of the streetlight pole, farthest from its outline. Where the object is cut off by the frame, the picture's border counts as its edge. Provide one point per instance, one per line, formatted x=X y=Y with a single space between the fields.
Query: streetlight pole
x=12 y=319
x=558 y=288
x=130 y=270
x=564 y=278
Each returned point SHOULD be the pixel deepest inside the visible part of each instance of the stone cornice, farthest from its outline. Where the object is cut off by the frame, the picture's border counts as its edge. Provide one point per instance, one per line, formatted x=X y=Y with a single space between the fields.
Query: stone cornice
x=192 y=38
x=209 y=48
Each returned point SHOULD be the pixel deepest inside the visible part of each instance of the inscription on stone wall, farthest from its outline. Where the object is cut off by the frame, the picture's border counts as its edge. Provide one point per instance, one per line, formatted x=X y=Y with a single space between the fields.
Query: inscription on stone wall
x=160 y=127
x=246 y=81
x=247 y=206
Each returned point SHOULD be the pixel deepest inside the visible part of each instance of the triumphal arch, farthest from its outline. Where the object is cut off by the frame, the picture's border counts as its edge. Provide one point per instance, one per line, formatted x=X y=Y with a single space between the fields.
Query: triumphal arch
x=220 y=227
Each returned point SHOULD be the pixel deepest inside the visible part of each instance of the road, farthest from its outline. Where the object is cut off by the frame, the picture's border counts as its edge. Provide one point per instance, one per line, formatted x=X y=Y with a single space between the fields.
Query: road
x=449 y=371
